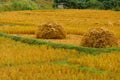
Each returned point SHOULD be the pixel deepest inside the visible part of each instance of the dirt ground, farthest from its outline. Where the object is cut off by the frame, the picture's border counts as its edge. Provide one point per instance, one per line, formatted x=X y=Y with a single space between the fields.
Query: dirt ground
x=70 y=39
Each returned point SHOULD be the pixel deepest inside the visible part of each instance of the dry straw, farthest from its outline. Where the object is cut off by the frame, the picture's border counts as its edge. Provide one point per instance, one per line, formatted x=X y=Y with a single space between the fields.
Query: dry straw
x=99 y=38
x=50 y=31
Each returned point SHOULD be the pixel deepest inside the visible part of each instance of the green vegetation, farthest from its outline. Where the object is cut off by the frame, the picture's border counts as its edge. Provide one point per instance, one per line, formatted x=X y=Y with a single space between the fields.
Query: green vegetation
x=24 y=58
x=63 y=46
x=91 y=4
x=10 y=5
x=19 y=61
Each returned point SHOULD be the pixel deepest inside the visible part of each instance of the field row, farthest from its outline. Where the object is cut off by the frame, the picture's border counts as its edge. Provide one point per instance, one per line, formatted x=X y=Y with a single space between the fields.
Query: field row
x=26 y=58
x=22 y=61
x=74 y=21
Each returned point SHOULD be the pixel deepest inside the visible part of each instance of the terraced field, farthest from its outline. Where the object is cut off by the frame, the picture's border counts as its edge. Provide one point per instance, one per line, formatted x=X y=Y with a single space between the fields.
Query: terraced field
x=25 y=62
x=23 y=57
x=74 y=21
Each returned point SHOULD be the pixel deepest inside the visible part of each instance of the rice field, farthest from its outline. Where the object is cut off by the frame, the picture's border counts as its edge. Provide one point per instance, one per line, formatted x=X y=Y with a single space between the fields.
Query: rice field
x=74 y=21
x=21 y=61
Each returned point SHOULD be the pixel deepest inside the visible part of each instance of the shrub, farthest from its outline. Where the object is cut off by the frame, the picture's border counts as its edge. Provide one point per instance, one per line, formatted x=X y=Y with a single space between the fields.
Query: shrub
x=50 y=31
x=95 y=4
x=24 y=5
x=99 y=38
x=86 y=4
x=6 y=7
x=18 y=5
x=117 y=8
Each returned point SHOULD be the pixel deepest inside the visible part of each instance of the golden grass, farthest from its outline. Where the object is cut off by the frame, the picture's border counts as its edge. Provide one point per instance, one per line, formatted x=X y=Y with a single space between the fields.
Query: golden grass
x=108 y=61
x=24 y=62
x=51 y=72
x=18 y=29
x=74 y=21
x=21 y=53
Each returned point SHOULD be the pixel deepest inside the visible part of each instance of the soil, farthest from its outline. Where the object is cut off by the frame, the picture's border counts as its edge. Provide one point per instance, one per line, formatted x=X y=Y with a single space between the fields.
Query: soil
x=70 y=39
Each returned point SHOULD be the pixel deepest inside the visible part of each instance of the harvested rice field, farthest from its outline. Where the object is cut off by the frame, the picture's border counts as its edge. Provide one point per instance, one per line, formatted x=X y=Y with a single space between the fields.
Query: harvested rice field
x=24 y=56
x=70 y=39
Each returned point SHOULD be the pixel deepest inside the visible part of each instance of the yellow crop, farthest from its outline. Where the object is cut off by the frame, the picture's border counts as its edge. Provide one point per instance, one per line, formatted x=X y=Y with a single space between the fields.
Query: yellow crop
x=20 y=61
x=109 y=62
x=74 y=21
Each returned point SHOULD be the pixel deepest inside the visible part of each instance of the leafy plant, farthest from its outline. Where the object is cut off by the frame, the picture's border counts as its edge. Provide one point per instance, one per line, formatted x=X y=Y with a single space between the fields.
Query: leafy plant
x=24 y=5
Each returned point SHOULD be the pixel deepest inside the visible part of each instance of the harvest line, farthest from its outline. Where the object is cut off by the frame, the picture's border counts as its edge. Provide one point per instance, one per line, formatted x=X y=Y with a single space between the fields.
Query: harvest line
x=38 y=63
x=32 y=41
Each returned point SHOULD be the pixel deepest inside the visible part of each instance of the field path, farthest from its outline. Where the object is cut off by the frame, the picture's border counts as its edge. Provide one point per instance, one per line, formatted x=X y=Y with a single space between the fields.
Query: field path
x=70 y=39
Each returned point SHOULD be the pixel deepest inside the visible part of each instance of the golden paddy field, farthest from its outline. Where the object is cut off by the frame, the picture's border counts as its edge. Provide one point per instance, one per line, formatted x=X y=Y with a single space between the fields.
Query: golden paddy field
x=20 y=61
x=75 y=22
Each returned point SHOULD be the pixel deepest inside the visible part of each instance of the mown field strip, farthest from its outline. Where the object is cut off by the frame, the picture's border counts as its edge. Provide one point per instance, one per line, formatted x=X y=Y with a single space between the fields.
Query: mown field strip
x=19 y=60
x=64 y=46
x=56 y=62
x=73 y=23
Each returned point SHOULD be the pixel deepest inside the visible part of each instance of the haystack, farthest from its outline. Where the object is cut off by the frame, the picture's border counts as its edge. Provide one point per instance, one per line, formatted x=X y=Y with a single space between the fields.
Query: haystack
x=50 y=31
x=99 y=38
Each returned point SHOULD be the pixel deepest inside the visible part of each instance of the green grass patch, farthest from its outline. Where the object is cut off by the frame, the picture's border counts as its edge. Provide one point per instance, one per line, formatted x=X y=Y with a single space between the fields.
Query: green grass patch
x=32 y=41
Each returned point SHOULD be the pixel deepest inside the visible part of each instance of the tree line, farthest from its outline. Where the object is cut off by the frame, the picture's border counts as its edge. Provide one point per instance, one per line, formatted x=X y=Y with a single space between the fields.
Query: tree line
x=10 y=5
x=89 y=4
